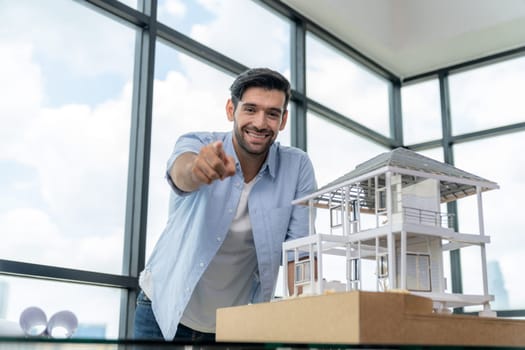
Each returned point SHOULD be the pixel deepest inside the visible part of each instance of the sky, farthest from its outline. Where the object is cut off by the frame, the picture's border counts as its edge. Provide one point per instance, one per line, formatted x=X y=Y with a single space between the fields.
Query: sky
x=65 y=115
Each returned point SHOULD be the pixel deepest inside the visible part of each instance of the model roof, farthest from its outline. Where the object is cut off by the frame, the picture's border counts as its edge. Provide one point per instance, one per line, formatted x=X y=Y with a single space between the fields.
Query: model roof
x=454 y=183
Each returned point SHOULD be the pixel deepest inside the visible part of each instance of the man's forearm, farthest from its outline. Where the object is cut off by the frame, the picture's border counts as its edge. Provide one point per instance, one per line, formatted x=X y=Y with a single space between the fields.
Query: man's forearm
x=181 y=173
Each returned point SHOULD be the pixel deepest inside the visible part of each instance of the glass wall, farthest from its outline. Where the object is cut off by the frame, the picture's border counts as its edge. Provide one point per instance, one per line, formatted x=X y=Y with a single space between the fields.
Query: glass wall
x=339 y=153
x=421 y=112
x=482 y=99
x=338 y=82
x=242 y=30
x=96 y=308
x=64 y=149
x=64 y=139
x=493 y=159
x=488 y=97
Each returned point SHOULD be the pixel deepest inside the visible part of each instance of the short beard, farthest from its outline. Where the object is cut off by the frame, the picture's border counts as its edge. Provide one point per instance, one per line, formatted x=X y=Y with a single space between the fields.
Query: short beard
x=239 y=135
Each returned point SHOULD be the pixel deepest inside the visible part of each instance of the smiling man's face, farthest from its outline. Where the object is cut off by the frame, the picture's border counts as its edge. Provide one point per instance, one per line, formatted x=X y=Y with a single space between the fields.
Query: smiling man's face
x=258 y=118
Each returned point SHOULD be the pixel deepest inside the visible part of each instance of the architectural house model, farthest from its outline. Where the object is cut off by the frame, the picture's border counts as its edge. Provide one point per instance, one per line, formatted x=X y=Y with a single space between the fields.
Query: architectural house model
x=388 y=211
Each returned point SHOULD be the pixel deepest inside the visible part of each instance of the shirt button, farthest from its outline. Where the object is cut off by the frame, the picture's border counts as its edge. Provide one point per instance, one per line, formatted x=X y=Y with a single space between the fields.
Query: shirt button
x=230 y=210
x=201 y=264
x=218 y=239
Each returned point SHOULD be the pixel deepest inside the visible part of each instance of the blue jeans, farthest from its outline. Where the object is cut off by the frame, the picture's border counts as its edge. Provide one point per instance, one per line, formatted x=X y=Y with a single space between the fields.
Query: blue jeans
x=146 y=327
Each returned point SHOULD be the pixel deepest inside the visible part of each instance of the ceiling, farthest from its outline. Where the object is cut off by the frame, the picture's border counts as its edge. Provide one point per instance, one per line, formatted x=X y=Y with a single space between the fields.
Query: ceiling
x=411 y=37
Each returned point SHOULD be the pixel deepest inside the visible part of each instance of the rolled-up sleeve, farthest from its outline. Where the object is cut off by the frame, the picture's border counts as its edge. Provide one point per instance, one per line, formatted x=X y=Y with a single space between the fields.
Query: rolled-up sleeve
x=187 y=143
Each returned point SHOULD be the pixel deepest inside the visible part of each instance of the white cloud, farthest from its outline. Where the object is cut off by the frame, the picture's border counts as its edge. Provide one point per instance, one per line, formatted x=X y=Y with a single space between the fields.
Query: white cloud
x=246 y=32
x=340 y=153
x=21 y=90
x=175 y=8
x=25 y=231
x=421 y=112
x=32 y=235
x=339 y=83
x=65 y=32
x=477 y=101
x=80 y=156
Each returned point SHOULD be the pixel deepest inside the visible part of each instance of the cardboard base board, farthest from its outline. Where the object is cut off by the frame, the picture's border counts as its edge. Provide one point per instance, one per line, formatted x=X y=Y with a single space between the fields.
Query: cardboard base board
x=359 y=317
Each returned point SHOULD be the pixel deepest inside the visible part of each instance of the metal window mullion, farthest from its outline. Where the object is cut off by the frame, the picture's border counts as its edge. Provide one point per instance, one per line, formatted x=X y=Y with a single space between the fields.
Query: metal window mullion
x=349 y=124
x=396 y=119
x=197 y=50
x=446 y=120
x=468 y=65
x=138 y=173
x=63 y=274
x=120 y=10
x=446 y=125
x=471 y=136
x=298 y=77
x=487 y=133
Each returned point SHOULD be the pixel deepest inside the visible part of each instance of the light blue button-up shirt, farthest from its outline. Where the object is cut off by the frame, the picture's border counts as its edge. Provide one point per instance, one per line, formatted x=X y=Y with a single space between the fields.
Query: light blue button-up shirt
x=199 y=221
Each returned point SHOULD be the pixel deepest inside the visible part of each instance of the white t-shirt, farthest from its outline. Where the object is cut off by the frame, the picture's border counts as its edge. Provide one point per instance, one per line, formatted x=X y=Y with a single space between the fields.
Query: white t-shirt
x=228 y=279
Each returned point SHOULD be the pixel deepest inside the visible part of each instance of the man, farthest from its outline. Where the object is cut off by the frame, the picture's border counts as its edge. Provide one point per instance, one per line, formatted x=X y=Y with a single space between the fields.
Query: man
x=230 y=212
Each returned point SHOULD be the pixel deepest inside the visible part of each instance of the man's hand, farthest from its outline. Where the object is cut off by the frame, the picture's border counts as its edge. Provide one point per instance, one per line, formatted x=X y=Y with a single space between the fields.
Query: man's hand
x=190 y=170
x=212 y=163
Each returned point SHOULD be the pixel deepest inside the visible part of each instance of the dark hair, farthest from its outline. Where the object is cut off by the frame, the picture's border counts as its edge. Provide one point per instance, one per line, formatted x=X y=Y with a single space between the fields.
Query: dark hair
x=259 y=77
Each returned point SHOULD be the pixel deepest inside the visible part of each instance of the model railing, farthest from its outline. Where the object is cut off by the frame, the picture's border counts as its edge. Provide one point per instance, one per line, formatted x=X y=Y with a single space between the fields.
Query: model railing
x=428 y=217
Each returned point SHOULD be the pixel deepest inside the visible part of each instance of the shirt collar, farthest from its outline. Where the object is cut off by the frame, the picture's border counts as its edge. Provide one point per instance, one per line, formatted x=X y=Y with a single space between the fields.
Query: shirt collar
x=271 y=160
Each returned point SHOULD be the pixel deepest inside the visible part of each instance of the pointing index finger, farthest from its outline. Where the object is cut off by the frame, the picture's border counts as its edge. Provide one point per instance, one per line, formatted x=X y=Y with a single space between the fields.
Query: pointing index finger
x=219 y=151
x=227 y=167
